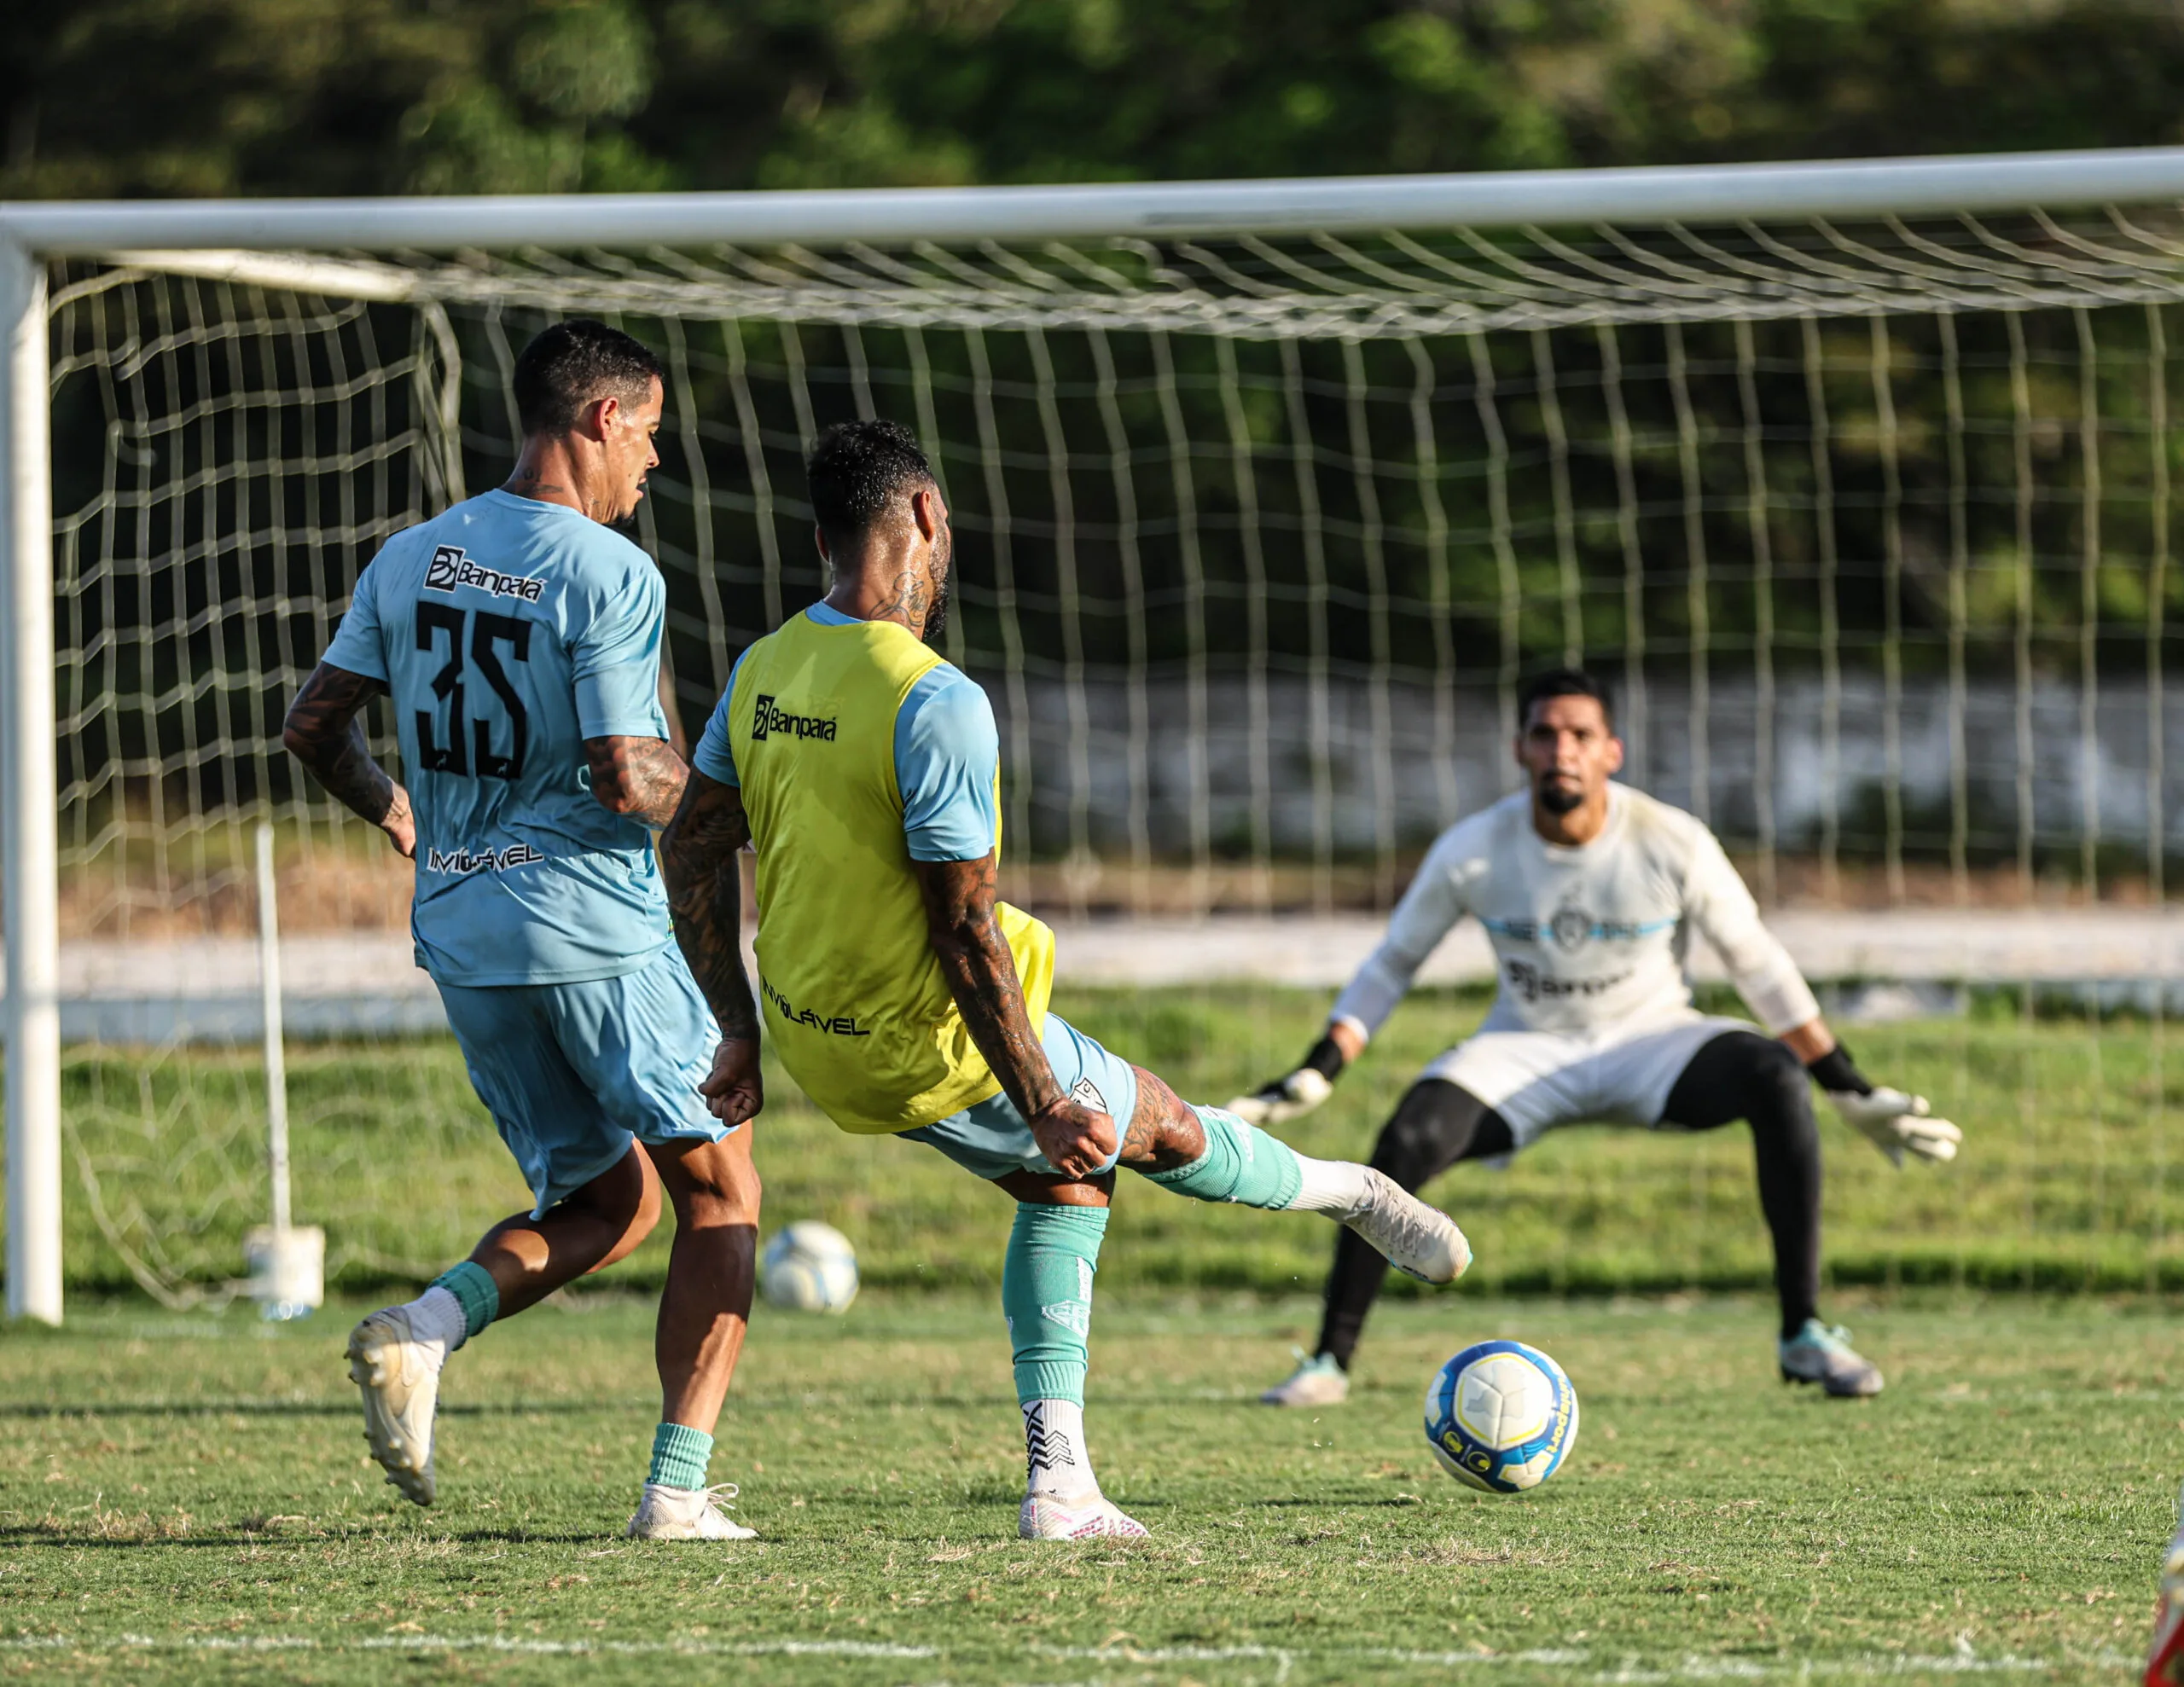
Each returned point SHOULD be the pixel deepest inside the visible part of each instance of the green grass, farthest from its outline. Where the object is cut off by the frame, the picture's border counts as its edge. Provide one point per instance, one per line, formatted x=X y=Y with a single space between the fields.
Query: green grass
x=188 y=1498
x=2065 y=1183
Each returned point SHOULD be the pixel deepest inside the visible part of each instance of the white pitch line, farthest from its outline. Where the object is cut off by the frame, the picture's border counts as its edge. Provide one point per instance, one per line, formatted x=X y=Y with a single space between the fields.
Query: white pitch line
x=1869 y=1667
x=1690 y=1668
x=470 y=1642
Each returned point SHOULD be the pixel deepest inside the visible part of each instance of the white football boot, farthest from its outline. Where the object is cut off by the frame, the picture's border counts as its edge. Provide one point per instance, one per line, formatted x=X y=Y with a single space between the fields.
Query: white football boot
x=1317 y=1380
x=1090 y=1515
x=1817 y=1353
x=400 y=1377
x=1416 y=1239
x=687 y=1514
x=2165 y=1660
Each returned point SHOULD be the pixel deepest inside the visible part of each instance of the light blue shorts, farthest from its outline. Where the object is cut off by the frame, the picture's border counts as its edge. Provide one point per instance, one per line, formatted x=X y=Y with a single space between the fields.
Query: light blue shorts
x=991 y=1138
x=572 y=1072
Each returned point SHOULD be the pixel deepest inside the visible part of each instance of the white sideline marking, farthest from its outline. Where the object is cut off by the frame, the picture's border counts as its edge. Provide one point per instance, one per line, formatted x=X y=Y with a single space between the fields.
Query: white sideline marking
x=1869 y=1667
x=1872 y=1666
x=470 y=1642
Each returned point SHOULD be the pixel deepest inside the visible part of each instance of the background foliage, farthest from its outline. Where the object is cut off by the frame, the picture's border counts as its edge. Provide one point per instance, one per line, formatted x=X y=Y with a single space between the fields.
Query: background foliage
x=191 y=97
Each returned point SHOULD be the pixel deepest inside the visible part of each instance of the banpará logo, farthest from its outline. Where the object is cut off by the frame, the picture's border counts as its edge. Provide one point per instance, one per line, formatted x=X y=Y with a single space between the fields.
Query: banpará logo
x=449 y=568
x=460 y=862
x=835 y=1025
x=769 y=717
x=1534 y=985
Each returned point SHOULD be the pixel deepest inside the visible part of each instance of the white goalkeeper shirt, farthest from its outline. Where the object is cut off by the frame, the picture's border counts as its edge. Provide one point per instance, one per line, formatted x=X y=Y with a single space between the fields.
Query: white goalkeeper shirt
x=1590 y=941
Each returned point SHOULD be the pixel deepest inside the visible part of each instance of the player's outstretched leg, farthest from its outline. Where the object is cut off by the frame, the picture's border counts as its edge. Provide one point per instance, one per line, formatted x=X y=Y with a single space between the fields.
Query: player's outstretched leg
x=395 y=1354
x=1436 y=1125
x=1046 y=1293
x=1741 y=1075
x=1209 y=1154
x=704 y=1312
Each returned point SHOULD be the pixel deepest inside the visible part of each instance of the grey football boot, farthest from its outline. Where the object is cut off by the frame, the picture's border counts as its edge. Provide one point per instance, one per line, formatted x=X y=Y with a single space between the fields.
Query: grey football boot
x=1818 y=1354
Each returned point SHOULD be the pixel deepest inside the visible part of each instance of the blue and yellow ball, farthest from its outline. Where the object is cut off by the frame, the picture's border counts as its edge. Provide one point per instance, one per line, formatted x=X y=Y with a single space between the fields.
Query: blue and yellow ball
x=1500 y=1417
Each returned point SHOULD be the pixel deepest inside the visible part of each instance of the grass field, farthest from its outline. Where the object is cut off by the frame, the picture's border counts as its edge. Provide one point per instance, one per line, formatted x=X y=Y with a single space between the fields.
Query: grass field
x=2065 y=1181
x=186 y=1498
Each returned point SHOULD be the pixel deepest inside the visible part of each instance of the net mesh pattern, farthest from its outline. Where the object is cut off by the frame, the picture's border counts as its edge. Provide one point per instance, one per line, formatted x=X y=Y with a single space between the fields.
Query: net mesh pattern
x=1870 y=527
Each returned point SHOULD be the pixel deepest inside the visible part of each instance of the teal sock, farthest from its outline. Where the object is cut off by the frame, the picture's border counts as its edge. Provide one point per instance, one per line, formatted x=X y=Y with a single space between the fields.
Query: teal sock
x=475 y=1292
x=1241 y=1163
x=679 y=1456
x=1046 y=1292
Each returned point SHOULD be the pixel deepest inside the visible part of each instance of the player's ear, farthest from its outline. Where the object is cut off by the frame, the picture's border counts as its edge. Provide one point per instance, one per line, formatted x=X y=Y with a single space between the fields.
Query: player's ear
x=926 y=514
x=599 y=416
x=1614 y=755
x=819 y=539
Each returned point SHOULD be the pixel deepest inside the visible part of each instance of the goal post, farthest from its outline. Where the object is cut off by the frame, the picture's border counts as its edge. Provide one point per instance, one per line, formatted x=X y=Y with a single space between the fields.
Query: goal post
x=29 y=827
x=1363 y=393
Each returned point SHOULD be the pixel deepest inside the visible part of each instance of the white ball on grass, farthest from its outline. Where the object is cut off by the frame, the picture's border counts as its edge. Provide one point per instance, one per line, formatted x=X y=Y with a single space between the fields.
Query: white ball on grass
x=810 y=1266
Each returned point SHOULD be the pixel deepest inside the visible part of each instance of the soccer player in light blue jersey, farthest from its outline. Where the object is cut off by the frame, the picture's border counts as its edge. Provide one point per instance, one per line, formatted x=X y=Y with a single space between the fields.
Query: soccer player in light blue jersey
x=517 y=638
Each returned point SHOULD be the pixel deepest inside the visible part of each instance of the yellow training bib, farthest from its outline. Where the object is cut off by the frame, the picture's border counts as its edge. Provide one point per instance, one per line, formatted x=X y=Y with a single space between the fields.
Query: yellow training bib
x=852 y=991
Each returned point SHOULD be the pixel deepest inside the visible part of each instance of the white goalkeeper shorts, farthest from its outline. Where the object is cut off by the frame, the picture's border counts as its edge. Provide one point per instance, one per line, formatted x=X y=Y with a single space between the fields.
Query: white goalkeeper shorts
x=1538 y=1079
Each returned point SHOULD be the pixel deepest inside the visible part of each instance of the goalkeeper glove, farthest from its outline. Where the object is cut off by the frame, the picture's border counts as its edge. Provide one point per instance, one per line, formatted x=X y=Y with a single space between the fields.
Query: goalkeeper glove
x=1894 y=1122
x=1296 y=1095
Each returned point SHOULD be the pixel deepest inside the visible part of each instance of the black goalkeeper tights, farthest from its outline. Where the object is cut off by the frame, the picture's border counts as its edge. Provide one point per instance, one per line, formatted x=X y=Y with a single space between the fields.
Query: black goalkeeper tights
x=1739 y=1074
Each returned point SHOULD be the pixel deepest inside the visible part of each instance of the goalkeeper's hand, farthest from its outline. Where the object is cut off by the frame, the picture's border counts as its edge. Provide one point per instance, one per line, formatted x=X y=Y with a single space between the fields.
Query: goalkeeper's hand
x=1296 y=1093
x=1896 y=1123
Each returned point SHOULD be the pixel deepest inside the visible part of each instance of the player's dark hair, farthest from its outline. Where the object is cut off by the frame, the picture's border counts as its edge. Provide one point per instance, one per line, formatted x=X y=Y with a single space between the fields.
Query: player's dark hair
x=857 y=471
x=1564 y=682
x=573 y=364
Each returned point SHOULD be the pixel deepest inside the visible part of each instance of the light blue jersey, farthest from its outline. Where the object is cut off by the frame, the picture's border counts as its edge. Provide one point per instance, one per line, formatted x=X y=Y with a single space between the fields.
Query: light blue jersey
x=947 y=750
x=508 y=631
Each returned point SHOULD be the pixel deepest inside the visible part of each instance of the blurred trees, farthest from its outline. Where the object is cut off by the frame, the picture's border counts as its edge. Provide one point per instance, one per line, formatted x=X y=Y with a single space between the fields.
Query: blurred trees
x=180 y=98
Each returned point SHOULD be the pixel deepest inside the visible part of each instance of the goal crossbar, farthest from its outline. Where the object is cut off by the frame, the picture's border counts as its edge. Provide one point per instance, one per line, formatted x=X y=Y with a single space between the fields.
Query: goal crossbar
x=1499 y=199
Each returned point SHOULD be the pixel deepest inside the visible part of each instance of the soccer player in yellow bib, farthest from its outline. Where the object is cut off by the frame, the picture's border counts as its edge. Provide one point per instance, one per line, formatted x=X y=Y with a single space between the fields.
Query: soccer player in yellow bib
x=901 y=996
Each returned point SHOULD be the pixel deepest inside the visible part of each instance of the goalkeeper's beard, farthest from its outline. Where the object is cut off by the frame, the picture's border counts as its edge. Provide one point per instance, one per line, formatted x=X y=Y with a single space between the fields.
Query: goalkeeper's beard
x=1557 y=797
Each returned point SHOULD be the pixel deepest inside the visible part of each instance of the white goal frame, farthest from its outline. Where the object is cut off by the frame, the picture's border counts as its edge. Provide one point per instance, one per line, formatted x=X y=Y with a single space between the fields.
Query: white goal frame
x=265 y=243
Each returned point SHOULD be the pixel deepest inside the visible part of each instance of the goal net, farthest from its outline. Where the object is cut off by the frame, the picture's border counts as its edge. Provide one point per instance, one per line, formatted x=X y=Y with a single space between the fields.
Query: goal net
x=1867 y=519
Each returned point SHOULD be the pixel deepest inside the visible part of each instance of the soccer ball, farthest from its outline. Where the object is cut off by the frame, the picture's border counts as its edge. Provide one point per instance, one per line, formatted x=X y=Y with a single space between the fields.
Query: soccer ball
x=811 y=1267
x=1500 y=1417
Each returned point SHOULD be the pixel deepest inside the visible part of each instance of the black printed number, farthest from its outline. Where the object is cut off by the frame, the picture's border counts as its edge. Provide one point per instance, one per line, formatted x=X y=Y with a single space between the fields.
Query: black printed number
x=469 y=745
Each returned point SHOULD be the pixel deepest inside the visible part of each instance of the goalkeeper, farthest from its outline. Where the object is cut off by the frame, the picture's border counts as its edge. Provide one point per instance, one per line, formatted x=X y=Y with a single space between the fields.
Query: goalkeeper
x=1590 y=891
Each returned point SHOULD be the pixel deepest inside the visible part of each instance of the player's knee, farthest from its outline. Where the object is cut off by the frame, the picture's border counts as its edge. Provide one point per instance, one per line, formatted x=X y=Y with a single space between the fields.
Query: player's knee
x=1413 y=1145
x=715 y=1183
x=1779 y=1095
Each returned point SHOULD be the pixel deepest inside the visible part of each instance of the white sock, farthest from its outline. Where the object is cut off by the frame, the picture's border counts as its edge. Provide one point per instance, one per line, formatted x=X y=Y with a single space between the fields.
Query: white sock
x=1055 y=1458
x=436 y=1321
x=1330 y=1186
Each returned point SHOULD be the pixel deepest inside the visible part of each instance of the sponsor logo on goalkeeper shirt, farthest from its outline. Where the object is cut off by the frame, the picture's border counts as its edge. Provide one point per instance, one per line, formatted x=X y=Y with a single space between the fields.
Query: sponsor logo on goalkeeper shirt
x=834 y=1024
x=769 y=720
x=450 y=568
x=1570 y=928
x=459 y=862
x=1535 y=985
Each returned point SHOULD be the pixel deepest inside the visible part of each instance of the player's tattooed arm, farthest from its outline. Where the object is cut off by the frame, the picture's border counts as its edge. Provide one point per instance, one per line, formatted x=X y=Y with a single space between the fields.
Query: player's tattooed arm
x=641 y=777
x=704 y=892
x=699 y=856
x=325 y=732
x=981 y=975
